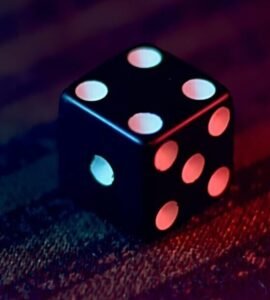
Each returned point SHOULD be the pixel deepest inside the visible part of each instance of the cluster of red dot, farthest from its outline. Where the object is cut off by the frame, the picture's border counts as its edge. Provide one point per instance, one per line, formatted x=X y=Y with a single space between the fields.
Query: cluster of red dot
x=193 y=168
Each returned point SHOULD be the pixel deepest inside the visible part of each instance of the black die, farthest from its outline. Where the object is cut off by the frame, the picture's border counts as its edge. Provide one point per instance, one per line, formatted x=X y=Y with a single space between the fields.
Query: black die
x=146 y=141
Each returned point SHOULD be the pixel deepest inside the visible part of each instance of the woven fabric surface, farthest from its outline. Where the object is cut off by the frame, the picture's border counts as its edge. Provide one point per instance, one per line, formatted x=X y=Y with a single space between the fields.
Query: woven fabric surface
x=52 y=249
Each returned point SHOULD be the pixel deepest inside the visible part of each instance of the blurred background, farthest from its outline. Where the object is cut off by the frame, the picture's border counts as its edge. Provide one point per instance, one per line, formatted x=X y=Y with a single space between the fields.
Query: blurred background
x=46 y=248
x=46 y=44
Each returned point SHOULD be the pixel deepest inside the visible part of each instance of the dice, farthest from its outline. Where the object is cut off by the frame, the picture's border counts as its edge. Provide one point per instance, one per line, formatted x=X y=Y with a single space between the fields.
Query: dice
x=146 y=141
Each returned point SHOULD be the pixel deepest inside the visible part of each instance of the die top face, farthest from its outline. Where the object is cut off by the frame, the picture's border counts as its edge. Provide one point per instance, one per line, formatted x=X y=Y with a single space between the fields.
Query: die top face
x=146 y=94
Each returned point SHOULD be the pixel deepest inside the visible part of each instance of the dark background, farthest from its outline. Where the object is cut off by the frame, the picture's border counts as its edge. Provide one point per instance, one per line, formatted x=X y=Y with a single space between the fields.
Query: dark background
x=48 y=246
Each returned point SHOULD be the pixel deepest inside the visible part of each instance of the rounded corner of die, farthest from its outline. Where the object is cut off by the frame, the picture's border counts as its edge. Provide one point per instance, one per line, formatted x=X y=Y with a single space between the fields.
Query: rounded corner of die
x=64 y=96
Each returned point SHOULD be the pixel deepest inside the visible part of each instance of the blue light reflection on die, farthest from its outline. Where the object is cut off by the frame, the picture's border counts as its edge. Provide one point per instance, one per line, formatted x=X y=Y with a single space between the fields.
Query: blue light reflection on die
x=102 y=171
x=102 y=119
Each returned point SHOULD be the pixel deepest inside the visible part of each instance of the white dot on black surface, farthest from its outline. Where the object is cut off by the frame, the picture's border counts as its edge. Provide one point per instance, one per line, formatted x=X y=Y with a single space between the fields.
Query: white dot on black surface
x=144 y=57
x=101 y=170
x=91 y=90
x=198 y=89
x=145 y=123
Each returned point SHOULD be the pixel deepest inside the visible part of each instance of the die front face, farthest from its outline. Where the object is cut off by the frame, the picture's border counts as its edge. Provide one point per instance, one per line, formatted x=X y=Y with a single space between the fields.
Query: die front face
x=99 y=168
x=192 y=167
x=146 y=140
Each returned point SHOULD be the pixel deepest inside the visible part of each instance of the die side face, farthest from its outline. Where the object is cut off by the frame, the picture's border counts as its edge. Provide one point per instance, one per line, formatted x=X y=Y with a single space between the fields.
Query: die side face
x=144 y=93
x=100 y=169
x=193 y=167
x=181 y=117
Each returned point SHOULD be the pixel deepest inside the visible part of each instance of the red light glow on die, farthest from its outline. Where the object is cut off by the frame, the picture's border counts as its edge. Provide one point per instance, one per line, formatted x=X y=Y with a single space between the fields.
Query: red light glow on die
x=219 y=121
x=167 y=215
x=166 y=156
x=193 y=168
x=218 y=181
